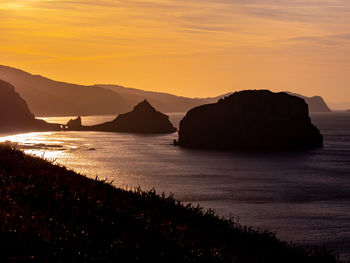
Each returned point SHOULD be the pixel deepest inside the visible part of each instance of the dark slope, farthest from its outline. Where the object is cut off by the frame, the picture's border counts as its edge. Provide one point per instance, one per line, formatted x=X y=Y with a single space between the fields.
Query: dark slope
x=50 y=214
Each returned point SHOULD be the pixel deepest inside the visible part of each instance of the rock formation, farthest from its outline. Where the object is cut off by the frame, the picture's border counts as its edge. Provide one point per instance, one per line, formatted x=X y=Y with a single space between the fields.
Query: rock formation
x=250 y=120
x=74 y=124
x=142 y=119
x=15 y=114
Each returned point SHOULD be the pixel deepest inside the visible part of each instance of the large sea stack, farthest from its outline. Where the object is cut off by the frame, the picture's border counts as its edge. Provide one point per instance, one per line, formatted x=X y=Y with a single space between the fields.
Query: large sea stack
x=15 y=114
x=142 y=119
x=251 y=120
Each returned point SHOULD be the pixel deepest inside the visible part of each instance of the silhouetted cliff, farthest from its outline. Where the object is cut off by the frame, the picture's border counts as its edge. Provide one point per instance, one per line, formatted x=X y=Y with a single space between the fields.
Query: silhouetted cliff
x=15 y=114
x=316 y=103
x=250 y=120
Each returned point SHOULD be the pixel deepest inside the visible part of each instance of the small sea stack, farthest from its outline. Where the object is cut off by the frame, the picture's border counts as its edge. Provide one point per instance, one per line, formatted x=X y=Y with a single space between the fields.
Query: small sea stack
x=251 y=120
x=142 y=119
x=74 y=124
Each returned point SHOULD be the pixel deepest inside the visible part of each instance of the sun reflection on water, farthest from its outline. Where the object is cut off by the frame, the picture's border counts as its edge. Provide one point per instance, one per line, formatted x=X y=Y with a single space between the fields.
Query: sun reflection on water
x=30 y=137
x=47 y=155
x=83 y=152
x=40 y=144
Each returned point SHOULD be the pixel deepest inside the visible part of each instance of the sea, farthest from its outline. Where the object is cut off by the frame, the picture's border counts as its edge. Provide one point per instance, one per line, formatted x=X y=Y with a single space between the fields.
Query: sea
x=303 y=197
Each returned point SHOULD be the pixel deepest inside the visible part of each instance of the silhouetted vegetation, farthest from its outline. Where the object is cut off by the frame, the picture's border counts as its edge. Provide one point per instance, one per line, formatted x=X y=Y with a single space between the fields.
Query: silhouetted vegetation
x=51 y=214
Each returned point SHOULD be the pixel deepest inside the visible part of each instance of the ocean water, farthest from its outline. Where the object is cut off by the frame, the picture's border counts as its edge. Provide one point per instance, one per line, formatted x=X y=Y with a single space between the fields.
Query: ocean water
x=303 y=197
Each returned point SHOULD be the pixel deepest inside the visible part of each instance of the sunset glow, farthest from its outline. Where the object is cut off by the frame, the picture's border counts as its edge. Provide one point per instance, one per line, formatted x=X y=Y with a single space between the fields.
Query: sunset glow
x=191 y=48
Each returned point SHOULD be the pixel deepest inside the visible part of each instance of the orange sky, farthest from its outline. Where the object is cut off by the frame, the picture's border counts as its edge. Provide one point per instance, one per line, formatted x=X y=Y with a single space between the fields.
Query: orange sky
x=186 y=47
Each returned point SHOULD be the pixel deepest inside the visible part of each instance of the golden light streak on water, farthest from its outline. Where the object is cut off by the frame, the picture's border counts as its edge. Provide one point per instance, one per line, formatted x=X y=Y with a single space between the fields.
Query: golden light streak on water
x=40 y=144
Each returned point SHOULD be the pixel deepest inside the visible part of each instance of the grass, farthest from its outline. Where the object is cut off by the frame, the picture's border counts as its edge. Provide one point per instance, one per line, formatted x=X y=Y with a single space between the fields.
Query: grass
x=51 y=214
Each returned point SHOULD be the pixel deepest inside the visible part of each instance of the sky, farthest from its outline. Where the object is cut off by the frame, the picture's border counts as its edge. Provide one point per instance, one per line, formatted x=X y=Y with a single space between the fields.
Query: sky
x=195 y=48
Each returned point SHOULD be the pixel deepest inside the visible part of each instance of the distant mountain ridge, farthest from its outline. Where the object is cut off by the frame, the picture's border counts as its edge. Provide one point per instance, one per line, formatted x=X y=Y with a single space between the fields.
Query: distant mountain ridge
x=165 y=102
x=46 y=97
x=316 y=103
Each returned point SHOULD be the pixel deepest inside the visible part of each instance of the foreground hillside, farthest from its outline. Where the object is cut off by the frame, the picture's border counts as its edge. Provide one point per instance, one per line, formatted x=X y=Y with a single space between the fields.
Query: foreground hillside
x=51 y=214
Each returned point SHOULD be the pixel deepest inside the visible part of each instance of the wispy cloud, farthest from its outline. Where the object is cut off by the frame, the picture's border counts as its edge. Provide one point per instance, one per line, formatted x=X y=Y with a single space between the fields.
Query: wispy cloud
x=211 y=16
x=222 y=31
